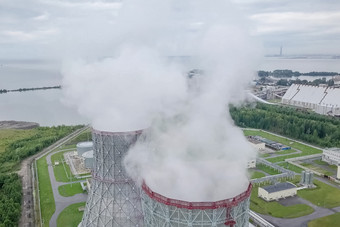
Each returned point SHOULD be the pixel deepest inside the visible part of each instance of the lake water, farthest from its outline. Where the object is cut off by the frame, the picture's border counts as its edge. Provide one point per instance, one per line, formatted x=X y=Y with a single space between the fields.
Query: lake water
x=46 y=108
x=303 y=65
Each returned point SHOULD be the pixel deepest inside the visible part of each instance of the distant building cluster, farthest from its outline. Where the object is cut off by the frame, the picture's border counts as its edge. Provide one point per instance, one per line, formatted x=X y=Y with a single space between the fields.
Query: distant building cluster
x=323 y=100
x=258 y=142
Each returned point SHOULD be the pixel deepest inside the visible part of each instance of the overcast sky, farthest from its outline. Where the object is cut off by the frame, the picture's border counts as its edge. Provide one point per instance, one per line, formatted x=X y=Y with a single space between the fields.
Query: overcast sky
x=57 y=28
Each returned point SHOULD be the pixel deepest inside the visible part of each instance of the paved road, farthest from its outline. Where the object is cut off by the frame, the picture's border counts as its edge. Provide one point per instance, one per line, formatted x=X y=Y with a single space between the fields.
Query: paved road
x=27 y=205
x=300 y=221
x=61 y=202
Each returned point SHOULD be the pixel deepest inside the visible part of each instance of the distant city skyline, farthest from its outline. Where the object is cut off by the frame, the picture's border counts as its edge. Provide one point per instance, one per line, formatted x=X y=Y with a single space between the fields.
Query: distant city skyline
x=53 y=29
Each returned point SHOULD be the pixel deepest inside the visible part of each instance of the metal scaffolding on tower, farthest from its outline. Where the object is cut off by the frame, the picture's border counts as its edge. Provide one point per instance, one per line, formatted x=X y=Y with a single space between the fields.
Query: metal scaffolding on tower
x=114 y=199
x=162 y=211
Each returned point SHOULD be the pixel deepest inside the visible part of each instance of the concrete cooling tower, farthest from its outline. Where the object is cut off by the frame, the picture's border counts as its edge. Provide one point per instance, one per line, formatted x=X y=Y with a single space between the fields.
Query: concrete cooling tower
x=114 y=199
x=159 y=211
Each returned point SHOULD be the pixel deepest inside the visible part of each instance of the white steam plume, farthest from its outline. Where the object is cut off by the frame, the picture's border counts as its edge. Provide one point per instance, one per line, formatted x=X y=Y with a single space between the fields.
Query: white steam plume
x=193 y=151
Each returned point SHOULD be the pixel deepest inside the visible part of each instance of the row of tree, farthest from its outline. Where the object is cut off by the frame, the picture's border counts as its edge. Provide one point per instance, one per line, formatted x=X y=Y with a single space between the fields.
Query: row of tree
x=15 y=152
x=317 y=82
x=290 y=73
x=29 y=89
x=294 y=123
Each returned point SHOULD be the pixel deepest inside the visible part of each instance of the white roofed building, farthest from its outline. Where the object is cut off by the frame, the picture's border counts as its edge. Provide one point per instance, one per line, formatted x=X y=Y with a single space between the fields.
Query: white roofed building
x=323 y=100
x=277 y=191
x=331 y=156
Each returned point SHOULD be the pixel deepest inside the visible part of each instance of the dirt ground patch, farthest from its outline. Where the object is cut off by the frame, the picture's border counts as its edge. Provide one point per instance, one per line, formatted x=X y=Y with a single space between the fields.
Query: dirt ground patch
x=18 y=125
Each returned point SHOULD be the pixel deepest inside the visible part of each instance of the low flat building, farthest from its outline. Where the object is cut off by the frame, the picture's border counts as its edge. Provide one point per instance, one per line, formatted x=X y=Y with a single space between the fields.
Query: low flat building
x=258 y=145
x=331 y=156
x=277 y=191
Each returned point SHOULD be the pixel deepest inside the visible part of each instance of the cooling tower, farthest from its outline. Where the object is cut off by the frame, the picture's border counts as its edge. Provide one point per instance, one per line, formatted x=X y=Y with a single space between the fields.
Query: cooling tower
x=162 y=211
x=114 y=199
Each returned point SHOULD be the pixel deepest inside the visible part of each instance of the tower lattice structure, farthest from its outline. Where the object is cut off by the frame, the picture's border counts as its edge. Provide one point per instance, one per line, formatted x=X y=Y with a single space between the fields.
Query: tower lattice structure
x=114 y=199
x=162 y=211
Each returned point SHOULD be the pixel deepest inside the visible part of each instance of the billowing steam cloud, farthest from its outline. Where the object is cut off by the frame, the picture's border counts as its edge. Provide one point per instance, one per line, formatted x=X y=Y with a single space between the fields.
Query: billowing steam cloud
x=193 y=152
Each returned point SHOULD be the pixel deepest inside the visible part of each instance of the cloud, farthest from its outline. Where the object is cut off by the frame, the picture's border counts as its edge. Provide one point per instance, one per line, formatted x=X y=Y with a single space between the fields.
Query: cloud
x=25 y=36
x=271 y=17
x=193 y=151
x=297 y=22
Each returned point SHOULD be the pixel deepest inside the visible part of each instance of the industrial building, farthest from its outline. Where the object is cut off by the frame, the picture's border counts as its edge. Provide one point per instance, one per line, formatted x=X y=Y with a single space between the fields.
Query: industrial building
x=277 y=191
x=114 y=199
x=323 y=100
x=258 y=145
x=331 y=156
x=307 y=179
x=88 y=159
x=159 y=210
x=83 y=147
x=269 y=143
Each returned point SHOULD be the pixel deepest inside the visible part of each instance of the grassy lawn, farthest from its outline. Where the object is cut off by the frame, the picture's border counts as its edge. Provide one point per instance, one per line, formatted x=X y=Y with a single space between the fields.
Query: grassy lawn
x=70 y=189
x=267 y=169
x=324 y=195
x=255 y=174
x=320 y=162
x=285 y=152
x=62 y=172
x=47 y=203
x=64 y=147
x=9 y=135
x=306 y=150
x=291 y=167
x=70 y=216
x=275 y=209
x=317 y=169
x=264 y=155
x=328 y=221
x=274 y=100
x=85 y=136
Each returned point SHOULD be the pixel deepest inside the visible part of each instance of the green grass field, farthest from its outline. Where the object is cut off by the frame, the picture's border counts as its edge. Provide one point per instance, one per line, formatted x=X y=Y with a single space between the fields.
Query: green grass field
x=317 y=169
x=264 y=155
x=275 y=209
x=70 y=189
x=47 y=203
x=320 y=162
x=324 y=195
x=286 y=152
x=306 y=150
x=267 y=169
x=62 y=172
x=328 y=221
x=70 y=216
x=9 y=135
x=255 y=174
x=291 y=167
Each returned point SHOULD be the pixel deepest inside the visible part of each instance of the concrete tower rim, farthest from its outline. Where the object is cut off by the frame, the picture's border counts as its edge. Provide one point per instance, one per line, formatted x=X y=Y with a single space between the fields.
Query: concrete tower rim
x=129 y=132
x=228 y=203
